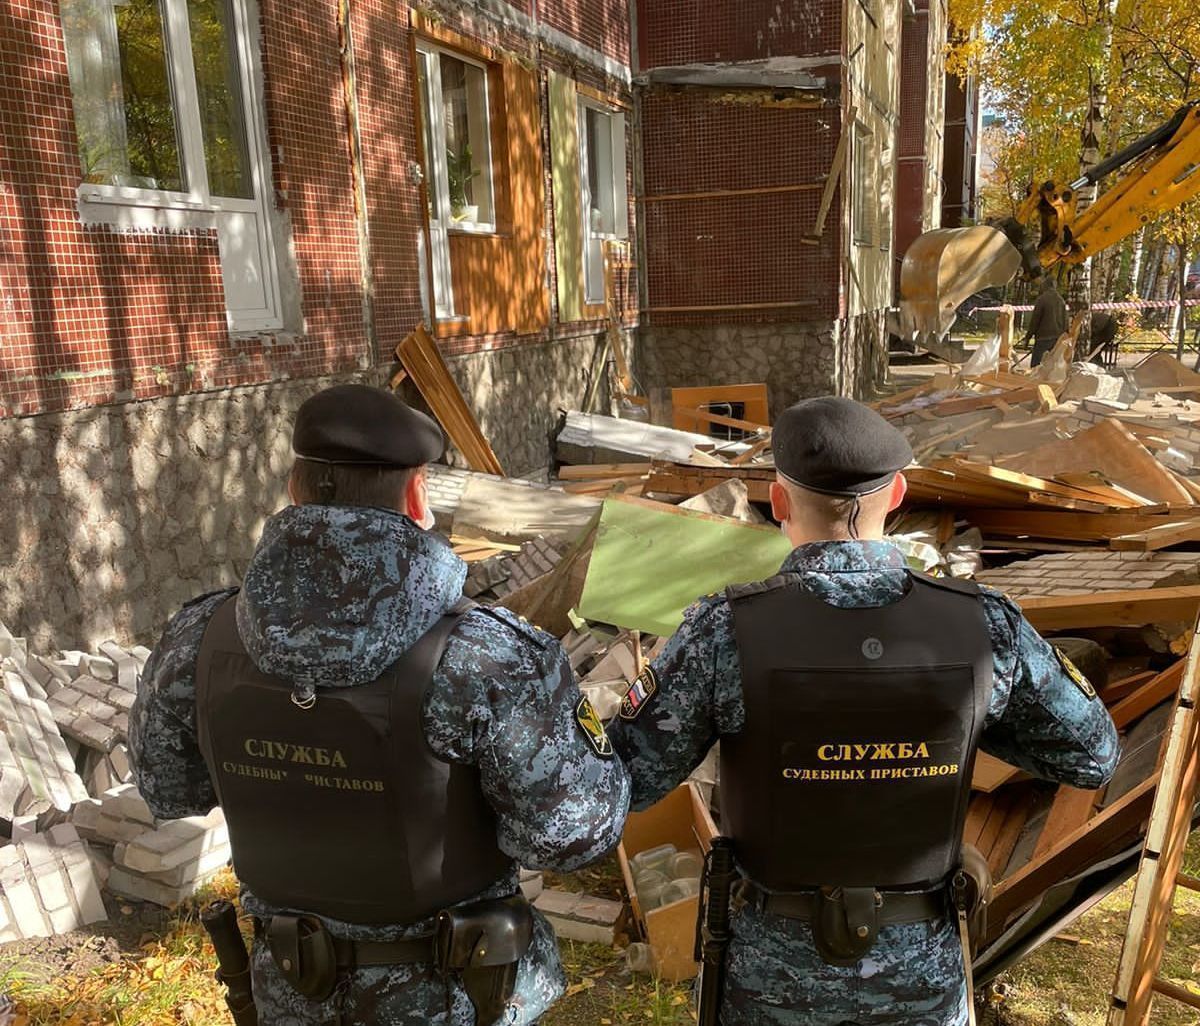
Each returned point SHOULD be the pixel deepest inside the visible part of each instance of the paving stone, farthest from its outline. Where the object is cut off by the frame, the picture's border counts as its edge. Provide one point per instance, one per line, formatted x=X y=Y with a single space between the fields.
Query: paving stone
x=580 y=917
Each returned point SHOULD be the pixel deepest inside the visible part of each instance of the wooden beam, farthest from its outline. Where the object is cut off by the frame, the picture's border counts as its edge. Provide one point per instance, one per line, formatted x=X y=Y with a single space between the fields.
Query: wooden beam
x=1075 y=851
x=1071 y=809
x=595 y=471
x=1160 y=537
x=1146 y=697
x=706 y=417
x=1134 y=608
x=1065 y=526
x=769 y=190
x=1112 y=693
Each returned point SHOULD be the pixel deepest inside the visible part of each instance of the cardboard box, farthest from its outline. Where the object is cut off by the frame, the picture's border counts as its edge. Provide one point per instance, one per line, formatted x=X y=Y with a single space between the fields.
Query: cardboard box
x=682 y=819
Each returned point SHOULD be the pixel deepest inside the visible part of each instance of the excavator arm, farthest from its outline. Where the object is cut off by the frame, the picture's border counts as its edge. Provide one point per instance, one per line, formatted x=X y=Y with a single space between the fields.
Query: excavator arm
x=943 y=267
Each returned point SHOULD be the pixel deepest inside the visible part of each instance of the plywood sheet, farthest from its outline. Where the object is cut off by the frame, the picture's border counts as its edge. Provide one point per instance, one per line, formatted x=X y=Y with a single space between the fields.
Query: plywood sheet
x=1110 y=448
x=652 y=561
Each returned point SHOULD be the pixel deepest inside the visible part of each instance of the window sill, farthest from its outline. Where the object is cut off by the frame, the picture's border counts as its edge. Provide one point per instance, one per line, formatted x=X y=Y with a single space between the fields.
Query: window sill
x=460 y=228
x=123 y=208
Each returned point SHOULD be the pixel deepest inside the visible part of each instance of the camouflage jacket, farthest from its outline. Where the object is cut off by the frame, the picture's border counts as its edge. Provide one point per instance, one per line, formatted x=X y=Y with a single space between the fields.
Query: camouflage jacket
x=1038 y=719
x=332 y=597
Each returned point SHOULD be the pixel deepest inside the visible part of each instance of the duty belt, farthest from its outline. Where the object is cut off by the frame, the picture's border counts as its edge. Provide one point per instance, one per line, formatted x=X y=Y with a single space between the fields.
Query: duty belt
x=894 y=907
x=353 y=953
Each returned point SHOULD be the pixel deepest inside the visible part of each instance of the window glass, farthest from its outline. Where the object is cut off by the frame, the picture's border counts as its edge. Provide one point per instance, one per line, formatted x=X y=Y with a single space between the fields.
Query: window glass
x=863 y=187
x=431 y=191
x=468 y=157
x=124 y=114
x=219 y=91
x=602 y=215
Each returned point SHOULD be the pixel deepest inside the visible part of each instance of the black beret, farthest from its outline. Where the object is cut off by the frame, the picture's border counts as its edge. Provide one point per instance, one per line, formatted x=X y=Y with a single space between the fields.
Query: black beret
x=365 y=426
x=838 y=447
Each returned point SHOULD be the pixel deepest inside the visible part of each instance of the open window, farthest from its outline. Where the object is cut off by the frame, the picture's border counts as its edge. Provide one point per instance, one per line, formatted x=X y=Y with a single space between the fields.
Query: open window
x=602 y=180
x=458 y=158
x=168 y=113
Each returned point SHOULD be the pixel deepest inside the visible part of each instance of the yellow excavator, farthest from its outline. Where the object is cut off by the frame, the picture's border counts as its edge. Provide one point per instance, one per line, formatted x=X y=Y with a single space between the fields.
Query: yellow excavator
x=942 y=268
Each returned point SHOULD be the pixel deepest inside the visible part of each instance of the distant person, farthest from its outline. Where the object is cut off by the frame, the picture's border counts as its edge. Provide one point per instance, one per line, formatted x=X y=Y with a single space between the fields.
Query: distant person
x=1048 y=323
x=386 y=754
x=1104 y=333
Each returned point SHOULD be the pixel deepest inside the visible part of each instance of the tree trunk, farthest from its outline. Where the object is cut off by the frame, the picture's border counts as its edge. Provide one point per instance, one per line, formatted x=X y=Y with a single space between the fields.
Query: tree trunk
x=1135 y=271
x=1181 y=300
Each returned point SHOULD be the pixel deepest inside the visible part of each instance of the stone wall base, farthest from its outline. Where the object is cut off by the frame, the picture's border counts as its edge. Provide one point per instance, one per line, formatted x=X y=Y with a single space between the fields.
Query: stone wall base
x=797 y=360
x=117 y=515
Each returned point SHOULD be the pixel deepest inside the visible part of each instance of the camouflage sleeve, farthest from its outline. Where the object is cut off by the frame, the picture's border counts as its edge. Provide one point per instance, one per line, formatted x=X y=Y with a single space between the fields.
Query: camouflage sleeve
x=1041 y=718
x=504 y=699
x=167 y=764
x=680 y=705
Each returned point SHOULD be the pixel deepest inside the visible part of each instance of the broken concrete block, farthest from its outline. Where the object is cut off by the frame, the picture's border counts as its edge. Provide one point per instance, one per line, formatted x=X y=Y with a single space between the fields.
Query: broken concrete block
x=588 y=438
x=1087 y=381
x=729 y=499
x=532 y=884
x=132 y=885
x=12 y=648
x=47 y=886
x=124 y=802
x=580 y=917
x=174 y=843
x=38 y=747
x=125 y=664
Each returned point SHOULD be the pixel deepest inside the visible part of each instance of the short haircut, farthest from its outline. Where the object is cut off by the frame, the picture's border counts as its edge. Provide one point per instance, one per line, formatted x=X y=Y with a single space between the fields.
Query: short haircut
x=343 y=485
x=834 y=511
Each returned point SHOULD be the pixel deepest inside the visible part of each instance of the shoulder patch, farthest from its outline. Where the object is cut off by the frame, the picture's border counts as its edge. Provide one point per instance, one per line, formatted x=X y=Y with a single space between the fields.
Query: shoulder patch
x=737 y=592
x=1072 y=671
x=644 y=688
x=590 y=726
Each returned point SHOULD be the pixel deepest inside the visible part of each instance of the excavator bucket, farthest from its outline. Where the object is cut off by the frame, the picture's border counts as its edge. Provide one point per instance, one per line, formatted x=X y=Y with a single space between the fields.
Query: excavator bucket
x=941 y=269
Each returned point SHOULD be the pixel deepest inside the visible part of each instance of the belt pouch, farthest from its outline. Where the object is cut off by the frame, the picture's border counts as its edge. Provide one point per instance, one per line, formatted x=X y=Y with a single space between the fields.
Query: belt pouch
x=303 y=952
x=845 y=924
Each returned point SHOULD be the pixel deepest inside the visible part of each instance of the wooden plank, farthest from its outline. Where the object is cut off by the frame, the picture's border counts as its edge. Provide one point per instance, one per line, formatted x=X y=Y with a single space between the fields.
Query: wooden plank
x=1160 y=537
x=679 y=483
x=1071 y=809
x=1002 y=475
x=1112 y=693
x=1173 y=991
x=1146 y=697
x=953 y=407
x=1112 y=449
x=1065 y=526
x=899 y=398
x=1106 y=491
x=761 y=446
x=1004 y=801
x=705 y=417
x=752 y=397
x=606 y=484
x=836 y=167
x=990 y=773
x=423 y=360
x=977 y=815
x=1134 y=608
x=1075 y=851
x=1162 y=856
x=596 y=471
x=1010 y=833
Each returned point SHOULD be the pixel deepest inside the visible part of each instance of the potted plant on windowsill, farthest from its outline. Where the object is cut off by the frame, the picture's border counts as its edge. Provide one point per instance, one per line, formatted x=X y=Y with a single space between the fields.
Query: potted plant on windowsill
x=461 y=170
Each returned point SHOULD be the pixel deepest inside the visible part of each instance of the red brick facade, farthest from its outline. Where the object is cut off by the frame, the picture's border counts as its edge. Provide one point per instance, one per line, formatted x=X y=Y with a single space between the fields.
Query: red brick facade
x=95 y=314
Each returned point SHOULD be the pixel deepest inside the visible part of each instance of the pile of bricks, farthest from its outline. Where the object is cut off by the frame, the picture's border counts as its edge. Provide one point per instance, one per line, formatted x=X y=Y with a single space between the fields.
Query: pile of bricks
x=73 y=822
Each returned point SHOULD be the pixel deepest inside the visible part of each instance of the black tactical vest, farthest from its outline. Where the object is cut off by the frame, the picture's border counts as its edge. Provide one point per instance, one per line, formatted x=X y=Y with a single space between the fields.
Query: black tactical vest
x=854 y=765
x=342 y=808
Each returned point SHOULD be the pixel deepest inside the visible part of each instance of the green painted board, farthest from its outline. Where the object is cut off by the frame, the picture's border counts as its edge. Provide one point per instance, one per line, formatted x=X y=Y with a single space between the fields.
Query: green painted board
x=648 y=565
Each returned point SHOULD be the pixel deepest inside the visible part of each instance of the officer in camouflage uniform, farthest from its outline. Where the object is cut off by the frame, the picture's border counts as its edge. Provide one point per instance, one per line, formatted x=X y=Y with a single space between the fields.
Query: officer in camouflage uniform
x=249 y=699
x=845 y=809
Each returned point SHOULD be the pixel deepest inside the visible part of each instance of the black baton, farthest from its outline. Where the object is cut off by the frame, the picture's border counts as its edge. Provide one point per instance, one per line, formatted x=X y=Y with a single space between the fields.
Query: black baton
x=712 y=934
x=233 y=962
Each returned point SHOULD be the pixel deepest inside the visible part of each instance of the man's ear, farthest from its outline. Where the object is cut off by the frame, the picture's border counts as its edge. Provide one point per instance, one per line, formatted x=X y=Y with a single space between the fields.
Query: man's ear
x=781 y=503
x=899 y=489
x=416 y=497
x=291 y=490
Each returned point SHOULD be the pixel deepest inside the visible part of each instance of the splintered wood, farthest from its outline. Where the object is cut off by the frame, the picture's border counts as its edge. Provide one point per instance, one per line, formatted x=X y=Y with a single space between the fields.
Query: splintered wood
x=423 y=361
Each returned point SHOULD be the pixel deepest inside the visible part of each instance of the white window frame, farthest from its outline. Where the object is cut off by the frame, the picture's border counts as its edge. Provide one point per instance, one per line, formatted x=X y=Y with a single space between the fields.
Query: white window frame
x=616 y=119
x=131 y=207
x=441 y=225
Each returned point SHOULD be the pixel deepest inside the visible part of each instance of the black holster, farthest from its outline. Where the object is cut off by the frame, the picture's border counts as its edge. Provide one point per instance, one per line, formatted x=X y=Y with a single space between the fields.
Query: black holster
x=971 y=891
x=846 y=924
x=304 y=953
x=483 y=943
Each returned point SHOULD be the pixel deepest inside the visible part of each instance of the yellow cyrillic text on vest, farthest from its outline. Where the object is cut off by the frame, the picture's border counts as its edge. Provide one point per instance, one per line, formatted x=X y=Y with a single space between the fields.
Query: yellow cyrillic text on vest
x=874 y=751
x=285 y=751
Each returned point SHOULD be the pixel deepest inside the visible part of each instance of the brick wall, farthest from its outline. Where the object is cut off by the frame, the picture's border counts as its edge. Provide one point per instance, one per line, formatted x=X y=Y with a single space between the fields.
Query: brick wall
x=734 y=250
x=672 y=32
x=92 y=314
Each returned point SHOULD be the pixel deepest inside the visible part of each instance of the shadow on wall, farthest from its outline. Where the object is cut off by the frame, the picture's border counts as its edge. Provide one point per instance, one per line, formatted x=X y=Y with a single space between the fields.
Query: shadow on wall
x=117 y=515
